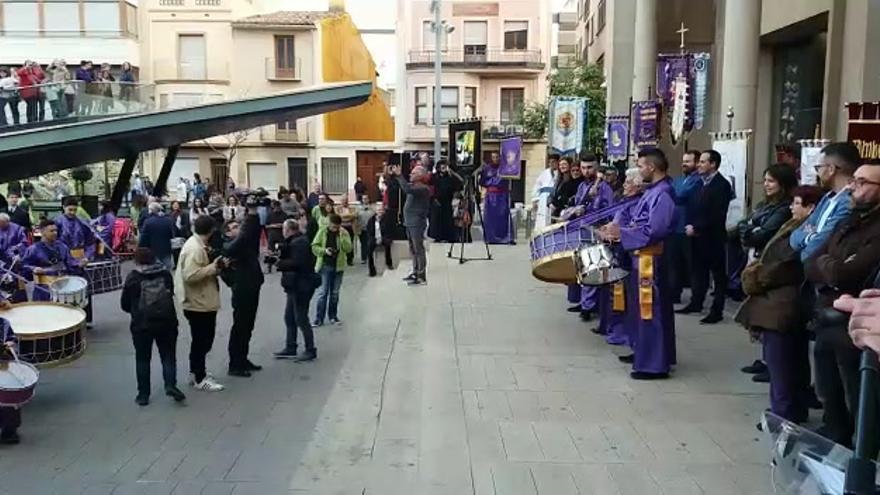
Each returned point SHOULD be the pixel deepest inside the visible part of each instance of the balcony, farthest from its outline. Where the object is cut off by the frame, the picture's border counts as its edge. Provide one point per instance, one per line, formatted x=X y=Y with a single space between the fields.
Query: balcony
x=190 y=3
x=74 y=101
x=479 y=58
x=496 y=129
x=276 y=73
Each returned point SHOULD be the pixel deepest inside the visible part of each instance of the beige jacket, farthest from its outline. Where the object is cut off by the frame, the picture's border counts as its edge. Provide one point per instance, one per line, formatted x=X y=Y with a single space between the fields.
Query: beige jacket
x=196 y=278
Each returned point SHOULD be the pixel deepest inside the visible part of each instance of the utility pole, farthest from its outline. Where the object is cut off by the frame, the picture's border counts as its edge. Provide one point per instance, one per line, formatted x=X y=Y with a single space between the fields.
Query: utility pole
x=439 y=31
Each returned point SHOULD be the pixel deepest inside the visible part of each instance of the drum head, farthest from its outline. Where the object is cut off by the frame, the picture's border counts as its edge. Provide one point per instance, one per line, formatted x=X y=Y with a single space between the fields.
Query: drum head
x=39 y=318
x=18 y=376
x=557 y=268
x=67 y=285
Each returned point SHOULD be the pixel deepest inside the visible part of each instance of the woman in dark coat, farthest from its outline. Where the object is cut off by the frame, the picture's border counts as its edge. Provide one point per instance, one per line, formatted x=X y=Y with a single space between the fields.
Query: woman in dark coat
x=566 y=187
x=445 y=183
x=773 y=315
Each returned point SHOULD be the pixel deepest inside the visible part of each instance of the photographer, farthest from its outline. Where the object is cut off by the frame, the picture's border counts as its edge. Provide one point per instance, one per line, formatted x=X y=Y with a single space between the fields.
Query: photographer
x=299 y=280
x=415 y=218
x=246 y=278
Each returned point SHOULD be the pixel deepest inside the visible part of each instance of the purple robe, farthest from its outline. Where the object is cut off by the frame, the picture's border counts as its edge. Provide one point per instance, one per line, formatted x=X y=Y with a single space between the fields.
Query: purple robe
x=497 y=224
x=652 y=221
x=13 y=242
x=104 y=228
x=55 y=259
x=604 y=197
x=614 y=324
x=75 y=234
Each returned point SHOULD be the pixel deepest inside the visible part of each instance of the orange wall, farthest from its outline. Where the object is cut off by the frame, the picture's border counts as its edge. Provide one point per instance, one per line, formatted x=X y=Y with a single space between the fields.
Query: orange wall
x=346 y=58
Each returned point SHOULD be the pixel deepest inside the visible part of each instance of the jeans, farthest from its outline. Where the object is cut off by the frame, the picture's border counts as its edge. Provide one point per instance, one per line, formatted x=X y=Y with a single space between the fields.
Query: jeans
x=296 y=315
x=13 y=109
x=331 y=282
x=364 y=242
x=416 y=236
x=349 y=258
x=59 y=110
x=166 y=343
x=31 y=110
x=245 y=301
x=3 y=121
x=202 y=326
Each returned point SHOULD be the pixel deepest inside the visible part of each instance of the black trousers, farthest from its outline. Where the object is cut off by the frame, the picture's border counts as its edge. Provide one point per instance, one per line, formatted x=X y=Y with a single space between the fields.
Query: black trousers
x=680 y=264
x=10 y=418
x=31 y=111
x=709 y=258
x=245 y=301
x=296 y=316
x=166 y=343
x=202 y=327
x=349 y=258
x=837 y=382
x=365 y=240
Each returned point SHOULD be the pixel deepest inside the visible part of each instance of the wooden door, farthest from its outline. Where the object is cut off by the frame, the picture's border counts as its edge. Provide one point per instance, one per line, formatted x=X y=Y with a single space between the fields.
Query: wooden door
x=369 y=168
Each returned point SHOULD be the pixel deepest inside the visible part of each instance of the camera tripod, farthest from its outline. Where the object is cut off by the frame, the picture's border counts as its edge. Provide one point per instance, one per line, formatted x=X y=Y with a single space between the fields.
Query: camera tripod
x=469 y=197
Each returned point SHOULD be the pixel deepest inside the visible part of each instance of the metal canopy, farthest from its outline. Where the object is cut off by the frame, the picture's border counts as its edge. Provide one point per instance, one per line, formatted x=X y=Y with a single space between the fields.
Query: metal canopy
x=32 y=152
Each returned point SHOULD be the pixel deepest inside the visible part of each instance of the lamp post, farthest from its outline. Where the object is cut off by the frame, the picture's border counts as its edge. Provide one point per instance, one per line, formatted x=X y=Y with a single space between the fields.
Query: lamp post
x=440 y=31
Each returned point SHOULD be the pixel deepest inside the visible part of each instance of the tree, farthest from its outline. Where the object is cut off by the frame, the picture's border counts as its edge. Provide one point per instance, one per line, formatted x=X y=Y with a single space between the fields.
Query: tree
x=81 y=175
x=229 y=149
x=583 y=79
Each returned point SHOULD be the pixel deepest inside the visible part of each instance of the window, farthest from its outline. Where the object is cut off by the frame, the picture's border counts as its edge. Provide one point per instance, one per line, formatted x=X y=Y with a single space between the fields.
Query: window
x=600 y=21
x=262 y=174
x=191 y=57
x=448 y=104
x=285 y=62
x=475 y=39
x=131 y=21
x=20 y=17
x=428 y=37
x=286 y=131
x=511 y=104
x=62 y=17
x=101 y=18
x=422 y=108
x=470 y=102
x=516 y=35
x=334 y=175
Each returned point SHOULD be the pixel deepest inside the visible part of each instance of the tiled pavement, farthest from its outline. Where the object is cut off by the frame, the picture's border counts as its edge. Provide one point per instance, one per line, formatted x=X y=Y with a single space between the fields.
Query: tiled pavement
x=478 y=383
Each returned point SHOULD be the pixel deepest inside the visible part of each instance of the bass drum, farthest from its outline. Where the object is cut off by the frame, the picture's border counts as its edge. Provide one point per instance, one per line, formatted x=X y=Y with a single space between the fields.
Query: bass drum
x=553 y=250
x=49 y=334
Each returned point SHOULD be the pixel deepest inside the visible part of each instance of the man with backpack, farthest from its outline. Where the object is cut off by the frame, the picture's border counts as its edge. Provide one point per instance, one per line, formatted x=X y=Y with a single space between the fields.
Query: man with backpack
x=148 y=296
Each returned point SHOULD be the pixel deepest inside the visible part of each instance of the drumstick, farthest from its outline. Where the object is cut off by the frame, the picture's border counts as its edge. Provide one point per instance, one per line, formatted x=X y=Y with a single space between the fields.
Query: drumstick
x=8 y=271
x=95 y=233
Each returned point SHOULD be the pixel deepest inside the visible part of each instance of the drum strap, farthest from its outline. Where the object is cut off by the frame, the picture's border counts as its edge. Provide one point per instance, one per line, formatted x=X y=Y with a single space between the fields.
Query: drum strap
x=646 y=279
x=618 y=303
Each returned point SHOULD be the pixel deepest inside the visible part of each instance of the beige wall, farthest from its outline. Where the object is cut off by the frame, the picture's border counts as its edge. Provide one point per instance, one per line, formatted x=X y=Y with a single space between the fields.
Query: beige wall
x=777 y=14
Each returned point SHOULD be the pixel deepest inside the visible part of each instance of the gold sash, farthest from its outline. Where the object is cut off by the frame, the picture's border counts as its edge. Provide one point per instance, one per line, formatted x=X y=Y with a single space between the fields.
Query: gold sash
x=43 y=279
x=78 y=253
x=646 y=278
x=618 y=298
x=100 y=249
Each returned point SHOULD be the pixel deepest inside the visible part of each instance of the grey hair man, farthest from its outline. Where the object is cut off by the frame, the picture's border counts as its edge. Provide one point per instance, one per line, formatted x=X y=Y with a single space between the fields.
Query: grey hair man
x=296 y=262
x=156 y=234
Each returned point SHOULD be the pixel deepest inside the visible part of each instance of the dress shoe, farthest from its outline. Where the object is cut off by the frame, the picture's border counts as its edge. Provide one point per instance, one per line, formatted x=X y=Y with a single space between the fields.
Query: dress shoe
x=597 y=331
x=813 y=401
x=307 y=356
x=711 y=319
x=286 y=353
x=574 y=309
x=688 y=310
x=753 y=369
x=586 y=315
x=629 y=358
x=760 y=427
x=142 y=400
x=175 y=394
x=10 y=437
x=411 y=276
x=239 y=372
x=761 y=377
x=644 y=375
x=248 y=365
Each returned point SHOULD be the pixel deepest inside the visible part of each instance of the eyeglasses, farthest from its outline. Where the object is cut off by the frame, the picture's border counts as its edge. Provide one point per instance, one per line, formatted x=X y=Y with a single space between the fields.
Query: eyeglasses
x=861 y=182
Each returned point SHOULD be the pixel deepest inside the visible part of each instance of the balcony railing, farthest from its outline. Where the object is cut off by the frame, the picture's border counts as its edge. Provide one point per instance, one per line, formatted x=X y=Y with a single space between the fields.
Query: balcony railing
x=276 y=73
x=171 y=70
x=31 y=106
x=496 y=129
x=196 y=3
x=479 y=57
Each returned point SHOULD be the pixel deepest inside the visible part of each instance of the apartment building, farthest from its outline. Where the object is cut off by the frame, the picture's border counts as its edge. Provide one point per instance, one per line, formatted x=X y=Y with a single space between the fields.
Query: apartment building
x=496 y=58
x=211 y=50
x=567 y=51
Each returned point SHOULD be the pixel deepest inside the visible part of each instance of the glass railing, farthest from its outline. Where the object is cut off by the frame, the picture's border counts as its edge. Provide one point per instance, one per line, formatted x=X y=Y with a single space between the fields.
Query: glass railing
x=43 y=104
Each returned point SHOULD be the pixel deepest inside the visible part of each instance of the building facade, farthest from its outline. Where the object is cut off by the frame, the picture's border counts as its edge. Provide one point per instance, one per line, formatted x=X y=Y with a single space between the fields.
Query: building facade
x=496 y=58
x=211 y=50
x=567 y=51
x=786 y=67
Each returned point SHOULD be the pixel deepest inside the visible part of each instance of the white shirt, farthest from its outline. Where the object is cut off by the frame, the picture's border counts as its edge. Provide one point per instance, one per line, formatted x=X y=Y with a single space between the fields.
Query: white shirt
x=545 y=179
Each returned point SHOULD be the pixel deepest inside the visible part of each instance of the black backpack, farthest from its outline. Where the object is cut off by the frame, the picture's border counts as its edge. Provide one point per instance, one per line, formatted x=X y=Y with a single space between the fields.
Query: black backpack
x=156 y=302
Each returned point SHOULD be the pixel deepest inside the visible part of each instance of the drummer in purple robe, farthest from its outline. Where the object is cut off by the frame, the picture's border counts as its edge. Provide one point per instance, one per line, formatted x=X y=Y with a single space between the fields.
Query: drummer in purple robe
x=643 y=236
x=47 y=260
x=593 y=194
x=497 y=224
x=77 y=235
x=13 y=243
x=103 y=225
x=10 y=417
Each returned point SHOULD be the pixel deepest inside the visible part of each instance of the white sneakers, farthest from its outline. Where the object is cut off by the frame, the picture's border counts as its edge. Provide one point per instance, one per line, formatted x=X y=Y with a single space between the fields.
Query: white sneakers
x=206 y=385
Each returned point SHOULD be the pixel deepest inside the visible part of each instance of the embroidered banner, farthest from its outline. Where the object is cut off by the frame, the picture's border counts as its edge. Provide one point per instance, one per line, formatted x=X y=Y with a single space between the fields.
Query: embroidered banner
x=617 y=129
x=646 y=124
x=568 y=116
x=511 y=164
x=700 y=87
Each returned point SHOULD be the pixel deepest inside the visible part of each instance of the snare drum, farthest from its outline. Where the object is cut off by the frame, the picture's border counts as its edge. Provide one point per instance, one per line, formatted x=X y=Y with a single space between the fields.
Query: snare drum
x=553 y=250
x=104 y=276
x=49 y=334
x=17 y=383
x=596 y=264
x=70 y=290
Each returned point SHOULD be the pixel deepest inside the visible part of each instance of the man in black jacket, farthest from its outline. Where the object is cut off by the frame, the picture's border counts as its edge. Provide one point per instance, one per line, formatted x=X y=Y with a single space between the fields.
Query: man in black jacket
x=246 y=279
x=299 y=281
x=17 y=214
x=708 y=230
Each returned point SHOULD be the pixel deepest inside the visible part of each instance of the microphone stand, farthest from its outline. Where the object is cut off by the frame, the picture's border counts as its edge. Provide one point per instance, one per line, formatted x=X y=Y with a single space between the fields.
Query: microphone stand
x=861 y=471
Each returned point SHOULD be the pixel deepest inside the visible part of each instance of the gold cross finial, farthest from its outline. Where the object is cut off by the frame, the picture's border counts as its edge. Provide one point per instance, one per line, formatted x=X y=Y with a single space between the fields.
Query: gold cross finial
x=681 y=32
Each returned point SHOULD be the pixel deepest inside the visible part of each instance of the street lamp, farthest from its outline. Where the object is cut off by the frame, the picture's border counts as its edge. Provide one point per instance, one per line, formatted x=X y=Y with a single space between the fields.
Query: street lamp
x=440 y=29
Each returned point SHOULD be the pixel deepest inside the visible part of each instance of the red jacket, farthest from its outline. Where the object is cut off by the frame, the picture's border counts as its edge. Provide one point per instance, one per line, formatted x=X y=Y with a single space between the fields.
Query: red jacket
x=28 y=78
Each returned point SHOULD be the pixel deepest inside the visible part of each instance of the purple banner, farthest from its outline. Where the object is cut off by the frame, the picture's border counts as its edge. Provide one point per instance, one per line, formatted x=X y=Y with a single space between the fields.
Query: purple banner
x=511 y=164
x=618 y=137
x=646 y=124
x=670 y=66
